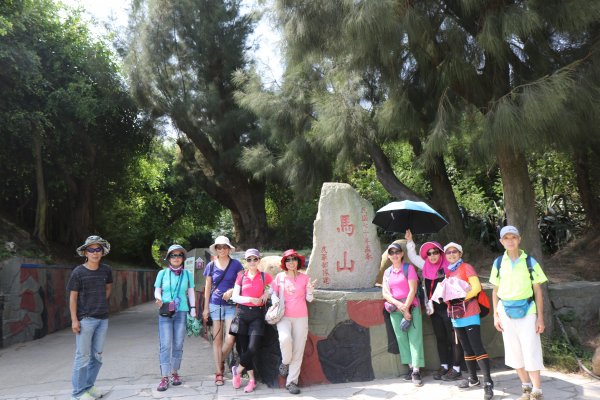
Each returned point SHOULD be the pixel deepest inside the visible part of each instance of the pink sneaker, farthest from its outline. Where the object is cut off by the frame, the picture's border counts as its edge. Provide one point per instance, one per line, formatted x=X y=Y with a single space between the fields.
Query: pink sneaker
x=175 y=379
x=236 y=378
x=164 y=384
x=250 y=386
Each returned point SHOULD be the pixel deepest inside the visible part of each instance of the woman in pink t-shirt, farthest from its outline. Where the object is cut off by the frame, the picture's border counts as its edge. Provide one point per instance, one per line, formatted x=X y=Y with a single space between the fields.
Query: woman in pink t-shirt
x=399 y=288
x=250 y=292
x=293 y=327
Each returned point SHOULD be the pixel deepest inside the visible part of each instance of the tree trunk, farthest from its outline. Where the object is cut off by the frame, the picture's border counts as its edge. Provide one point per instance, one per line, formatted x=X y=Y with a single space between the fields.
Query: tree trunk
x=249 y=216
x=39 y=231
x=519 y=204
x=386 y=176
x=444 y=201
x=589 y=201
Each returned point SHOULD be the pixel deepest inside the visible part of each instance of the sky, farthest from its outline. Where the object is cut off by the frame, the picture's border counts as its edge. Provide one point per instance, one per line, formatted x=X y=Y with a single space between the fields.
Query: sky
x=268 y=56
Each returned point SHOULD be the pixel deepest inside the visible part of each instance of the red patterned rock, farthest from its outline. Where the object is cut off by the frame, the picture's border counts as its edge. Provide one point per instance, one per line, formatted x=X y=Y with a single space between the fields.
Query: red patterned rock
x=366 y=313
x=311 y=372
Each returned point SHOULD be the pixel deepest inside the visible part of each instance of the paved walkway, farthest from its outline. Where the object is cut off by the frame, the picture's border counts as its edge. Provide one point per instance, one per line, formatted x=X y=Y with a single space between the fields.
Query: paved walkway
x=41 y=370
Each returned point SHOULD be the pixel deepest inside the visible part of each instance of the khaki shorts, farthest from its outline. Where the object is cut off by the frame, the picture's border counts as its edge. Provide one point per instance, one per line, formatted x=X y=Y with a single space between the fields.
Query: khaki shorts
x=522 y=345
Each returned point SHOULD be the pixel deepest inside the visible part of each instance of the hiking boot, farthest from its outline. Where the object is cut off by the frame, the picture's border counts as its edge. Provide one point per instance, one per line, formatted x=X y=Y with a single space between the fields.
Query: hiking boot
x=452 y=375
x=284 y=369
x=95 y=392
x=488 y=391
x=469 y=382
x=175 y=379
x=536 y=396
x=250 y=386
x=293 y=388
x=408 y=375
x=437 y=375
x=526 y=393
x=416 y=378
x=164 y=384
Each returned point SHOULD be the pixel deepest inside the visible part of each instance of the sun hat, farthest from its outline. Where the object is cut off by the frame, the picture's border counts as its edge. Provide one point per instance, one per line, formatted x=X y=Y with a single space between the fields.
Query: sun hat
x=455 y=245
x=395 y=246
x=220 y=240
x=425 y=247
x=252 y=252
x=509 y=229
x=174 y=247
x=94 y=239
x=291 y=253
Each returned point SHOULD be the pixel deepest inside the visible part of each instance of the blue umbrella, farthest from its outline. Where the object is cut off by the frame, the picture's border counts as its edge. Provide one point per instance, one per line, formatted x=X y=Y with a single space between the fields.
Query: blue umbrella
x=417 y=216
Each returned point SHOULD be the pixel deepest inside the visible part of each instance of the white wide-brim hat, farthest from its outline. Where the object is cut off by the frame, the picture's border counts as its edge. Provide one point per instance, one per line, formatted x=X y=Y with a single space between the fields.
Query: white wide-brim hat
x=220 y=240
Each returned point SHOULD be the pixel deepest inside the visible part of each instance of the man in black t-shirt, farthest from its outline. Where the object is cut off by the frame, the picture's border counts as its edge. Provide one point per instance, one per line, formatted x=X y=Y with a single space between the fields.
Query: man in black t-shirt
x=89 y=288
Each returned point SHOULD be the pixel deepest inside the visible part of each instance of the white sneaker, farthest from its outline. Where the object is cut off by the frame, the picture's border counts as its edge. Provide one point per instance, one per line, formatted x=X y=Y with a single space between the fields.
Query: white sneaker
x=84 y=396
x=95 y=392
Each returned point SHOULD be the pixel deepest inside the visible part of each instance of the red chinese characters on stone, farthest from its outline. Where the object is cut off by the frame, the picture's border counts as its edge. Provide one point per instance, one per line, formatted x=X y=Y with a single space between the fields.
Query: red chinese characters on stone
x=345 y=225
x=365 y=230
x=345 y=267
x=325 y=266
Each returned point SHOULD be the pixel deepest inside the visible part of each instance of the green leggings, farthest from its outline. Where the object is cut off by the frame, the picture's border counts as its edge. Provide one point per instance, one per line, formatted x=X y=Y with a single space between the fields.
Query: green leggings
x=410 y=342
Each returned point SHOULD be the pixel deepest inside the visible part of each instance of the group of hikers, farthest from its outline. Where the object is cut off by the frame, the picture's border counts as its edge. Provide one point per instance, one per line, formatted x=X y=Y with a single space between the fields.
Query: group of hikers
x=451 y=297
x=235 y=299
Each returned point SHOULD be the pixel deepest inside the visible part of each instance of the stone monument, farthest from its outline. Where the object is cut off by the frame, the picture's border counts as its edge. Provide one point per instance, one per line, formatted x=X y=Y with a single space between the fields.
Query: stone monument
x=346 y=250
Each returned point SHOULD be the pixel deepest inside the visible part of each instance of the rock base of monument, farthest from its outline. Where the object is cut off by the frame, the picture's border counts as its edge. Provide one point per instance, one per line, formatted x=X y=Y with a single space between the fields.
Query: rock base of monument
x=348 y=340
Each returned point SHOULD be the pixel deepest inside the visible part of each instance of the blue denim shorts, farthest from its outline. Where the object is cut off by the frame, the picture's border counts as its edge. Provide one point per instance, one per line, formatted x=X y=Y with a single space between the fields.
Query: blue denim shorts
x=221 y=312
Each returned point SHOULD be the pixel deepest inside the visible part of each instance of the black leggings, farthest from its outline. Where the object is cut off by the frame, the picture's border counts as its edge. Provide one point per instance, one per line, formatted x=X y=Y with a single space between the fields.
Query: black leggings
x=248 y=345
x=470 y=338
x=450 y=352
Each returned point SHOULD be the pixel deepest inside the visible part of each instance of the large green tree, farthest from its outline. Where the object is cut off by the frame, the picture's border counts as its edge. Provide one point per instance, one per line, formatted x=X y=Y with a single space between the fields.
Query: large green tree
x=180 y=60
x=69 y=126
x=510 y=65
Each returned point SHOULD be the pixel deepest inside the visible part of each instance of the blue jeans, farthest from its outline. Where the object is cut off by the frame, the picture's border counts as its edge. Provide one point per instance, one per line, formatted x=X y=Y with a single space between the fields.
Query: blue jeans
x=88 y=354
x=171 y=332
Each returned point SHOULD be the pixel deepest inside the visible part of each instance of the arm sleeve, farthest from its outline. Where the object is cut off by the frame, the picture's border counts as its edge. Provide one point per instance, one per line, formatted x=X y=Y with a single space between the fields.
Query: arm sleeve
x=475 y=287
x=236 y=295
x=414 y=258
x=191 y=297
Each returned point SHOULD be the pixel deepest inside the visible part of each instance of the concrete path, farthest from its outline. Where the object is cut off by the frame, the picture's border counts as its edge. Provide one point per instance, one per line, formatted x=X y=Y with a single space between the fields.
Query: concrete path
x=41 y=370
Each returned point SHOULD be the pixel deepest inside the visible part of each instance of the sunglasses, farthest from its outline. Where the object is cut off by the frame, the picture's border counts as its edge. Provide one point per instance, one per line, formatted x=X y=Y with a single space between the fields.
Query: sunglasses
x=290 y=259
x=452 y=251
x=178 y=255
x=433 y=252
x=393 y=252
x=94 y=249
x=252 y=259
x=221 y=247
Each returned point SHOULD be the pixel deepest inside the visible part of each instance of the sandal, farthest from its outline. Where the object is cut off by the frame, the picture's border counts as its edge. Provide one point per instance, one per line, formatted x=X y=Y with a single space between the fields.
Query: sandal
x=219 y=379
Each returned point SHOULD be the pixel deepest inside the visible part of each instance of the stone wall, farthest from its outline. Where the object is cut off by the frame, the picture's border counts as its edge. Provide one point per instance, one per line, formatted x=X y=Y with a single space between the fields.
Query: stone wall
x=578 y=302
x=34 y=301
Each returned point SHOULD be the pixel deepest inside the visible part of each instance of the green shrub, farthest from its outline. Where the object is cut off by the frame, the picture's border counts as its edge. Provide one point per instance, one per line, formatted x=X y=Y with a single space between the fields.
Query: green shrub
x=559 y=355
